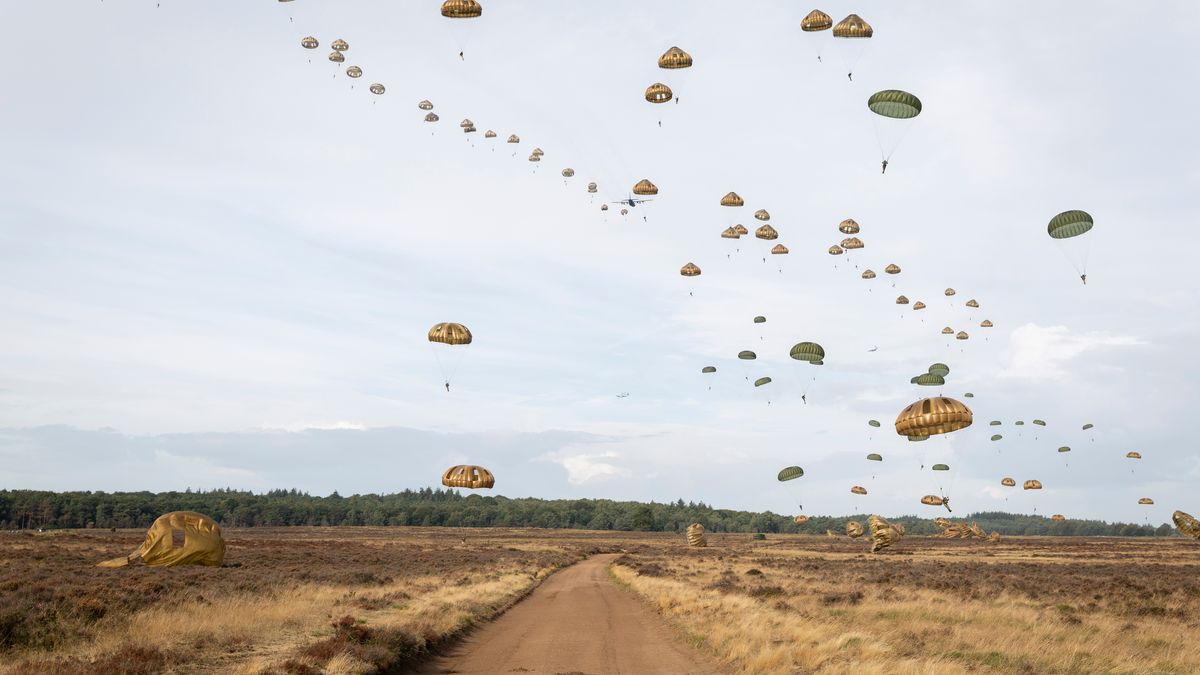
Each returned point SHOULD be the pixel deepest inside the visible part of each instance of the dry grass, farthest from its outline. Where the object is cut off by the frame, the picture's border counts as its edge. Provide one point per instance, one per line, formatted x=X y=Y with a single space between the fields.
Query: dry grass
x=336 y=600
x=802 y=604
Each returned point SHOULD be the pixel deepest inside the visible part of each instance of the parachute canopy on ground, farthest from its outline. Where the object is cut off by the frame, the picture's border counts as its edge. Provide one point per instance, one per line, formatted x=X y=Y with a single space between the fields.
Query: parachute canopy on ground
x=895 y=104
x=884 y=533
x=816 y=20
x=936 y=415
x=468 y=476
x=461 y=9
x=790 y=473
x=1032 y=484
x=854 y=529
x=690 y=270
x=695 y=535
x=645 y=187
x=202 y=543
x=807 y=351
x=658 y=93
x=675 y=58
x=732 y=199
x=450 y=334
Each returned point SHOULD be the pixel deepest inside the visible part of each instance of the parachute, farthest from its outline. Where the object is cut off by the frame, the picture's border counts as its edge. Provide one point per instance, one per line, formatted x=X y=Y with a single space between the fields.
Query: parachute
x=762 y=214
x=708 y=369
x=994 y=423
x=491 y=134
x=1058 y=517
x=513 y=138
x=1008 y=482
x=1040 y=423
x=452 y=335
x=425 y=105
x=690 y=270
x=807 y=351
x=1069 y=225
x=884 y=533
x=354 y=72
x=1019 y=423
x=948 y=292
x=892 y=269
x=378 y=90
x=309 y=42
x=898 y=109
x=962 y=335
x=645 y=187
x=852 y=32
x=747 y=355
x=970 y=395
x=972 y=303
x=591 y=188
x=431 y=117
x=730 y=233
x=740 y=229
x=852 y=243
x=1032 y=485
x=1146 y=501
x=936 y=415
x=766 y=232
x=835 y=250
x=779 y=249
x=1064 y=449
x=658 y=93
x=918 y=305
x=917 y=439
x=461 y=9
x=468 y=476
x=1133 y=454
x=939 y=369
x=985 y=324
x=675 y=58
x=760 y=319
x=932 y=500
x=800 y=520
x=858 y=490
x=947 y=331
x=941 y=467
x=202 y=543
x=761 y=381
x=732 y=199
x=848 y=226
x=874 y=423
x=816 y=20
x=568 y=172
x=901 y=300
x=339 y=45
x=1187 y=525
x=875 y=457
x=1088 y=426
x=854 y=529
x=695 y=535
x=337 y=57
x=996 y=437
x=790 y=473
x=928 y=380
x=868 y=274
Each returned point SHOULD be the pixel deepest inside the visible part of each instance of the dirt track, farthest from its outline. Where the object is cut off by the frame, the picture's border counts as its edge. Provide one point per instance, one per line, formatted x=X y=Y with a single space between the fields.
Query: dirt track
x=579 y=621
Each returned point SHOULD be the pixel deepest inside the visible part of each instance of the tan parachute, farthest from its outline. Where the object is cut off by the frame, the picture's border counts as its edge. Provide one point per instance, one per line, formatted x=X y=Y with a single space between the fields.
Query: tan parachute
x=1187 y=525
x=732 y=199
x=1032 y=484
x=779 y=249
x=766 y=232
x=800 y=520
x=202 y=543
x=675 y=58
x=854 y=529
x=858 y=490
x=658 y=93
x=690 y=270
x=935 y=415
x=468 y=476
x=645 y=187
x=848 y=226
x=695 y=535
x=762 y=214
x=884 y=533
x=816 y=21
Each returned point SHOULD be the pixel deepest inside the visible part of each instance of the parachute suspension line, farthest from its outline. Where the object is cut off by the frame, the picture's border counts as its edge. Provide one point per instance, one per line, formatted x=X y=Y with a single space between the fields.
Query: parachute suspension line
x=455 y=362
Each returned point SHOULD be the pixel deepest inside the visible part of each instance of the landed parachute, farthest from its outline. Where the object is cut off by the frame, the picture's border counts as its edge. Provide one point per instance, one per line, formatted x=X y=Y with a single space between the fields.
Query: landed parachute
x=695 y=535
x=854 y=529
x=468 y=476
x=884 y=533
x=1186 y=524
x=202 y=543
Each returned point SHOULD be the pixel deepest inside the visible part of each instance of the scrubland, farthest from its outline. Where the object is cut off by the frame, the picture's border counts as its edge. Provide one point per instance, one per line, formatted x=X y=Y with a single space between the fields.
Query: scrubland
x=1024 y=605
x=289 y=600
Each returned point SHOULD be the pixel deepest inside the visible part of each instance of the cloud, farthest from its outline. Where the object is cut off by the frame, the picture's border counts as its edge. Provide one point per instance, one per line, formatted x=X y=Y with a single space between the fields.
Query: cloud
x=1040 y=352
x=585 y=468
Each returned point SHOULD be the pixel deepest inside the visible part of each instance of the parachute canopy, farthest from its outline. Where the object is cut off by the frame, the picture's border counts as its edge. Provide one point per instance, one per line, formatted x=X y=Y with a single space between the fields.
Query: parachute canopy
x=760 y=319
x=1064 y=449
x=468 y=476
x=675 y=58
x=1146 y=501
x=848 y=226
x=941 y=467
x=309 y=42
x=708 y=369
x=450 y=334
x=893 y=268
x=1133 y=454
x=875 y=457
x=816 y=20
x=895 y=104
x=1008 y=482
x=854 y=529
x=883 y=533
x=762 y=214
x=939 y=369
x=1088 y=426
x=1069 y=224
x=645 y=187
x=868 y=274
x=761 y=381
x=807 y=351
x=1186 y=524
x=902 y=300
x=932 y=500
x=689 y=270
x=835 y=250
x=339 y=45
x=732 y=199
x=790 y=473
x=853 y=26
x=658 y=93
x=461 y=9
x=1032 y=484
x=747 y=355
x=202 y=543
x=874 y=423
x=996 y=437
x=766 y=232
x=936 y=415
x=928 y=380
x=918 y=305
x=779 y=249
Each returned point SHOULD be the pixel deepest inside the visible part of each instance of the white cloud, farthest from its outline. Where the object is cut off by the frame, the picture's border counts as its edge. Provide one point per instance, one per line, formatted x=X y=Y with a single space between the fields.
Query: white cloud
x=588 y=468
x=1040 y=352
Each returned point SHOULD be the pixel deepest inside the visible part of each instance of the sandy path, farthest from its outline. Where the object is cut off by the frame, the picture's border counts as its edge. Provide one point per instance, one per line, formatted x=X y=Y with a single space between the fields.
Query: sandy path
x=580 y=622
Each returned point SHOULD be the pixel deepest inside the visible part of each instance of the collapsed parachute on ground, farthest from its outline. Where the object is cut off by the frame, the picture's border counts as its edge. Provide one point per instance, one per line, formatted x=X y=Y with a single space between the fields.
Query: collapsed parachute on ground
x=854 y=529
x=468 y=476
x=695 y=535
x=202 y=543
x=884 y=533
x=936 y=415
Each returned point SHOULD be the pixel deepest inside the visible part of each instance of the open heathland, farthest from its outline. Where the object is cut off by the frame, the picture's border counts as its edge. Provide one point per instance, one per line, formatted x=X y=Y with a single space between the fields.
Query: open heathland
x=1027 y=605
x=372 y=599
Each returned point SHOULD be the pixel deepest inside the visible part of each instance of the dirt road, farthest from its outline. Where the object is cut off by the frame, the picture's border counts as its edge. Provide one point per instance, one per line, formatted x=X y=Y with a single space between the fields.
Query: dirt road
x=580 y=622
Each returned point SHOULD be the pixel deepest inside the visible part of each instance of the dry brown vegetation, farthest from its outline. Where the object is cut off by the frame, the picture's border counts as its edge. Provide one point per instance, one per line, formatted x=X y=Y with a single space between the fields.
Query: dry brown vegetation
x=798 y=603
x=289 y=600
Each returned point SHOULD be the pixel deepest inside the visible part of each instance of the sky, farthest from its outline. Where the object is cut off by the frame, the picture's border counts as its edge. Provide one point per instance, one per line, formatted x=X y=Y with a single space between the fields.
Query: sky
x=220 y=256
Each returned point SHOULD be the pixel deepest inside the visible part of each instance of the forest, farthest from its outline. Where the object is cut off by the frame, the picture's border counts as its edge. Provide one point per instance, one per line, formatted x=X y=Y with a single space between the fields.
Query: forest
x=427 y=507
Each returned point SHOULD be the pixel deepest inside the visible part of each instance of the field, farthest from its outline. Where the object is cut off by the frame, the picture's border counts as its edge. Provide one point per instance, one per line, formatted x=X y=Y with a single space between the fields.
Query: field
x=348 y=600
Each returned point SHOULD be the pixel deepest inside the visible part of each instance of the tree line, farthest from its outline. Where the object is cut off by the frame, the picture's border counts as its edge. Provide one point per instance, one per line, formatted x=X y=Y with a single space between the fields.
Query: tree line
x=428 y=507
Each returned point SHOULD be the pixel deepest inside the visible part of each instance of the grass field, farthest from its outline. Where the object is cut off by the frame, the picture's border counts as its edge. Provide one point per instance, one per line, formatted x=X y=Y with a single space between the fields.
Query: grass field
x=353 y=600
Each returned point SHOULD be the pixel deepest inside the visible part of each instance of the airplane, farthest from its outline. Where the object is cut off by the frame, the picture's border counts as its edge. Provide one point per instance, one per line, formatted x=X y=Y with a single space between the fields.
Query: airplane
x=622 y=394
x=631 y=202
